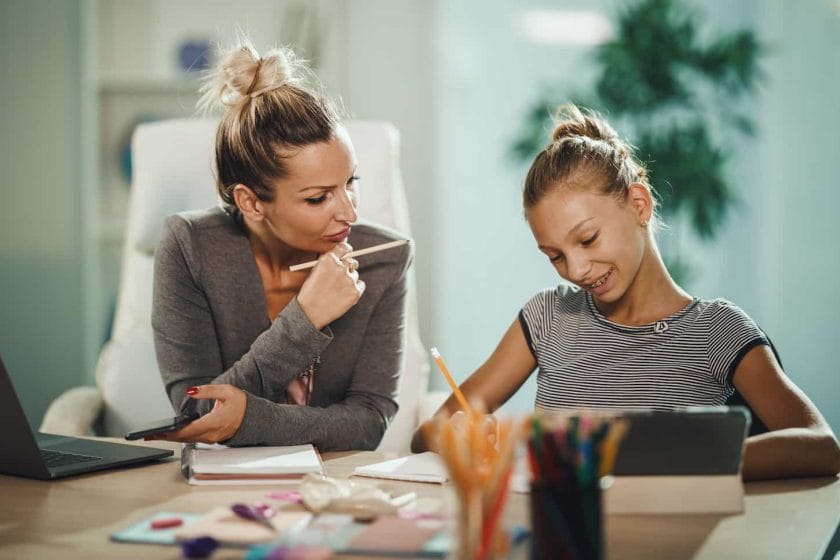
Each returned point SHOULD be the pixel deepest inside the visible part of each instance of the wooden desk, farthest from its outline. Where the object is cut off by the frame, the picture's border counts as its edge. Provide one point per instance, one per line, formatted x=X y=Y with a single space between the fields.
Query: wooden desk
x=74 y=517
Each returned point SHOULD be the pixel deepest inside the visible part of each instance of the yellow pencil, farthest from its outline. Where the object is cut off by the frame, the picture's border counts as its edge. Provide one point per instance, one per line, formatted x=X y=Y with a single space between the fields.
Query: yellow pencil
x=455 y=389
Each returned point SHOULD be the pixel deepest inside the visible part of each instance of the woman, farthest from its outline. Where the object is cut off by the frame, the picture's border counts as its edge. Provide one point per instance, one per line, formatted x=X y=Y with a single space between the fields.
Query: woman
x=266 y=355
x=623 y=333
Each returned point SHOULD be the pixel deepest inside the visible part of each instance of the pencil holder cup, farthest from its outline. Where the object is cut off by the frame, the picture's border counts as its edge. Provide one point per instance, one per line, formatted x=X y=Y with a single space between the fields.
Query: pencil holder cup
x=475 y=537
x=478 y=454
x=566 y=522
x=570 y=456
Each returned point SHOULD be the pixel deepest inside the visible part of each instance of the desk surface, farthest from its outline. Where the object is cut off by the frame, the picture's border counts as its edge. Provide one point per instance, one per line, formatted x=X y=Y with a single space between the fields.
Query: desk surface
x=73 y=518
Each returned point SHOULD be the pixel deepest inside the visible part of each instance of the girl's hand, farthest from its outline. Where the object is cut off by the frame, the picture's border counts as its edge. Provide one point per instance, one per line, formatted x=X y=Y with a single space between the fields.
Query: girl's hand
x=333 y=287
x=220 y=424
x=485 y=425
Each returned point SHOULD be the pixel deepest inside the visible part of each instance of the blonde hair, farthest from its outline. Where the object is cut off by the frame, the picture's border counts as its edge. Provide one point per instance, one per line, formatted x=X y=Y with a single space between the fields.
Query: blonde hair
x=269 y=111
x=585 y=151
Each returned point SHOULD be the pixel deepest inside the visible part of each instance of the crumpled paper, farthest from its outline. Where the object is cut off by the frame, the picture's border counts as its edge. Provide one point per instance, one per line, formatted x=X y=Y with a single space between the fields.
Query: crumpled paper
x=362 y=501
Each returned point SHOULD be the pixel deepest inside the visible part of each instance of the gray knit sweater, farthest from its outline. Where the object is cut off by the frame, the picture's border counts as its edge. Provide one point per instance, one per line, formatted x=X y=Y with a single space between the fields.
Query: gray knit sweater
x=211 y=325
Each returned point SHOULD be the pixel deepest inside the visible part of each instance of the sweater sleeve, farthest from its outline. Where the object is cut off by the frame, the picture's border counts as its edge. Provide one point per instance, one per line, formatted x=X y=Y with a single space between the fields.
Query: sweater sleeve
x=186 y=344
x=358 y=421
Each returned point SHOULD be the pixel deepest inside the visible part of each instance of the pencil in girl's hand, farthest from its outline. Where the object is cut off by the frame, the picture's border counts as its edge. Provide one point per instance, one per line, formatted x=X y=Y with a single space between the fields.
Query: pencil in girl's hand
x=454 y=386
x=359 y=253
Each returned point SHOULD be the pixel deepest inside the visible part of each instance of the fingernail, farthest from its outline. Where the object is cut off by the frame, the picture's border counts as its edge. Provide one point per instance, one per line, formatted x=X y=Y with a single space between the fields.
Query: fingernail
x=192 y=390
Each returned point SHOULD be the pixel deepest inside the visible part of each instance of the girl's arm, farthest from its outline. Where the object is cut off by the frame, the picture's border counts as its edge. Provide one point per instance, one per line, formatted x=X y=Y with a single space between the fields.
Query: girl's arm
x=492 y=384
x=800 y=441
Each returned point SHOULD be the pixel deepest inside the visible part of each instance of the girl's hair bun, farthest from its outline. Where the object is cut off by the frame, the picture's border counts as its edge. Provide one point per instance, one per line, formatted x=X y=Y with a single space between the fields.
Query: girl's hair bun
x=570 y=121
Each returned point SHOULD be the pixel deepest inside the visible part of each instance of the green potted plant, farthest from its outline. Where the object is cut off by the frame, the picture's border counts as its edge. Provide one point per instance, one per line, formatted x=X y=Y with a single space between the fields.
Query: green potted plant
x=679 y=97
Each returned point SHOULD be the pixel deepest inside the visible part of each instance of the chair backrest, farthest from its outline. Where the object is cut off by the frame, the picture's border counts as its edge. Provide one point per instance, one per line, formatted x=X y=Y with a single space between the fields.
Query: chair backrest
x=173 y=167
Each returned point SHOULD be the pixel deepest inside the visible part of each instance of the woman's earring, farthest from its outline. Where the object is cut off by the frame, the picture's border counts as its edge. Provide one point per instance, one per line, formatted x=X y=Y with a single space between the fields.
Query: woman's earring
x=645 y=223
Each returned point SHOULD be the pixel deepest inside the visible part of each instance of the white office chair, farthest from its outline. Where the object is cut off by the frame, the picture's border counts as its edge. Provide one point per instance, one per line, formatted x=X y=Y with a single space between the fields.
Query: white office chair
x=173 y=171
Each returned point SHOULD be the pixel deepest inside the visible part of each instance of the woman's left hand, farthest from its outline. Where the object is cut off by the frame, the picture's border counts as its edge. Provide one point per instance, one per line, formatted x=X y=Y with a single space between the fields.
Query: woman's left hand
x=220 y=424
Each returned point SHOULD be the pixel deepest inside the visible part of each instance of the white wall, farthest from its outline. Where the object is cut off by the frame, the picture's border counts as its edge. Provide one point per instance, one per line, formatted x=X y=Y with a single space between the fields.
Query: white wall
x=40 y=208
x=778 y=256
x=389 y=56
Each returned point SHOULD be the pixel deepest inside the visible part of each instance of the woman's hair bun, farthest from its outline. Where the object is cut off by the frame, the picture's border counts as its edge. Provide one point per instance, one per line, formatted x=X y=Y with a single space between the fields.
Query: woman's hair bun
x=243 y=74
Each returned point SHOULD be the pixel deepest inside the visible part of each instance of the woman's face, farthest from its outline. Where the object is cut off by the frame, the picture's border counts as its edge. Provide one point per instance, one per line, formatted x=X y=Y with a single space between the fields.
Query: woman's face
x=315 y=204
x=594 y=241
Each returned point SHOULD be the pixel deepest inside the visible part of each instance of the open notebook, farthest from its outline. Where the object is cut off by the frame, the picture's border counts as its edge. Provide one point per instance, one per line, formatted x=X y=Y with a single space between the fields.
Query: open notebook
x=422 y=467
x=217 y=464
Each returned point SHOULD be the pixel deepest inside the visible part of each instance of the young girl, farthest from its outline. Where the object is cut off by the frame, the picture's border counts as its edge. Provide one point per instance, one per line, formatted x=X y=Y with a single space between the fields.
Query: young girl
x=623 y=333
x=271 y=356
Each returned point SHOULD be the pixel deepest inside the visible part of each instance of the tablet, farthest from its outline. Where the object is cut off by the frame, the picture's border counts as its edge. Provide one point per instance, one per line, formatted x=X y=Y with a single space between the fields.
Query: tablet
x=687 y=441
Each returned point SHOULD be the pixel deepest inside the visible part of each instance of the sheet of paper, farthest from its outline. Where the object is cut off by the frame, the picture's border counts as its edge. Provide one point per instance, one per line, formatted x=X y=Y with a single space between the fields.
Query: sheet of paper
x=421 y=467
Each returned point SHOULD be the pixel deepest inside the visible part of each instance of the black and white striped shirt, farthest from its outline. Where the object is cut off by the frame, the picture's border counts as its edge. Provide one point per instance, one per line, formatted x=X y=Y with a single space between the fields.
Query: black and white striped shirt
x=587 y=361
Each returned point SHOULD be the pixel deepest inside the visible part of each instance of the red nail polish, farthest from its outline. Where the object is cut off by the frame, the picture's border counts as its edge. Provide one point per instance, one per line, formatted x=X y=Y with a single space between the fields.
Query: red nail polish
x=192 y=390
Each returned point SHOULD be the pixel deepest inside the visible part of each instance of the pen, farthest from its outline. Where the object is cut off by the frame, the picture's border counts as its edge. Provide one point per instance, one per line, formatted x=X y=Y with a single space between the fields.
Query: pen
x=455 y=389
x=359 y=253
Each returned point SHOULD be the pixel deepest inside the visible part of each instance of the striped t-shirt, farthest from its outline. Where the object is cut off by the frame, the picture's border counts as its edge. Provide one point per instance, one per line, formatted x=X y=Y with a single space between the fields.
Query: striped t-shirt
x=587 y=361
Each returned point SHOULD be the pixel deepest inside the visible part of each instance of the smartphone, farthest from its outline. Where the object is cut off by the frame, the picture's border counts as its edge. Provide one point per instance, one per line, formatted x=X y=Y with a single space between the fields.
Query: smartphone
x=164 y=425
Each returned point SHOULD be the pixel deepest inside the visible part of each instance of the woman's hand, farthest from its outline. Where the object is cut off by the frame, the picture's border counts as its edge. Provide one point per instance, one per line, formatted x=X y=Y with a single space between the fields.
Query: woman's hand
x=333 y=287
x=220 y=424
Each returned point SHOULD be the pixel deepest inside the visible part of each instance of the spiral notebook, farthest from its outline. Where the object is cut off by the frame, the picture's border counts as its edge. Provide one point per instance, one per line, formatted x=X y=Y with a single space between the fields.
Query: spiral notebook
x=422 y=467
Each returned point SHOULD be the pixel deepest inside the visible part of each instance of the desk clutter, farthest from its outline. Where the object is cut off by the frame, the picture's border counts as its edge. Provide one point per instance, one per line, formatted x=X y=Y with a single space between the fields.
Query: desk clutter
x=323 y=516
x=575 y=460
x=294 y=535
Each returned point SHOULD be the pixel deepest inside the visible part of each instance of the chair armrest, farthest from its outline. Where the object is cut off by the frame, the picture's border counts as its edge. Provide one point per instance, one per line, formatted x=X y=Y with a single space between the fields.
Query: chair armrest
x=73 y=412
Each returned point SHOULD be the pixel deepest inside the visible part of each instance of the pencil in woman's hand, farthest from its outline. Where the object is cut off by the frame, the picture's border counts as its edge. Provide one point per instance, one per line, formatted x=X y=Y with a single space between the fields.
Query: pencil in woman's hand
x=359 y=253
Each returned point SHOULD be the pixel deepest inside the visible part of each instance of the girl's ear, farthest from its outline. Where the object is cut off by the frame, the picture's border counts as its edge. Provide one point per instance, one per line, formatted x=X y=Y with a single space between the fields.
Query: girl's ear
x=641 y=201
x=247 y=202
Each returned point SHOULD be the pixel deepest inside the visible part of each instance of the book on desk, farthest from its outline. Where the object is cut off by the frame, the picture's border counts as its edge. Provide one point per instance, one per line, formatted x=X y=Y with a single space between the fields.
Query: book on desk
x=220 y=465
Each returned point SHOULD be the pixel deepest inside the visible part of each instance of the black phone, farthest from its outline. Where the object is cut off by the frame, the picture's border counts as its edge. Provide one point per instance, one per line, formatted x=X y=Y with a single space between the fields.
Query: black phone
x=164 y=425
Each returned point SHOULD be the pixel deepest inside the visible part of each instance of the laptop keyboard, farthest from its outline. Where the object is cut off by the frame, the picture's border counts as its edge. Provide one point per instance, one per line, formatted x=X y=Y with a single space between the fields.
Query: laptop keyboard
x=61 y=459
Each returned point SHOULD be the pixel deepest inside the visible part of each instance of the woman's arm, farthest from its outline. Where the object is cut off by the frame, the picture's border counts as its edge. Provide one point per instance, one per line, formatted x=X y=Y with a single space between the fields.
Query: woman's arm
x=185 y=330
x=359 y=420
x=800 y=441
x=492 y=384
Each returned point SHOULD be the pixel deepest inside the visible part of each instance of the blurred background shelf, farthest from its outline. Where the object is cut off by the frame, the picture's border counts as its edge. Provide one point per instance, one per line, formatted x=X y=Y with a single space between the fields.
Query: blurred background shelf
x=141 y=85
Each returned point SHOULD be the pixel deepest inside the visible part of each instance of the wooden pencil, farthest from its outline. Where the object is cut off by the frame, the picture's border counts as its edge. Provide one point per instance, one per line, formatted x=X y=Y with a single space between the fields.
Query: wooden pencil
x=359 y=253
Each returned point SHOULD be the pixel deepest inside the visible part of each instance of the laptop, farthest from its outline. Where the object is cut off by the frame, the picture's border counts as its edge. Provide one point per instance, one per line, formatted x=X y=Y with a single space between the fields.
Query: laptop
x=47 y=456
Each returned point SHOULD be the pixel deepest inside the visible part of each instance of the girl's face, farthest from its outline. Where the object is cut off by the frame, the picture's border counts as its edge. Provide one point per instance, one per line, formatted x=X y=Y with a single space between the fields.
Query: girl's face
x=315 y=204
x=593 y=240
